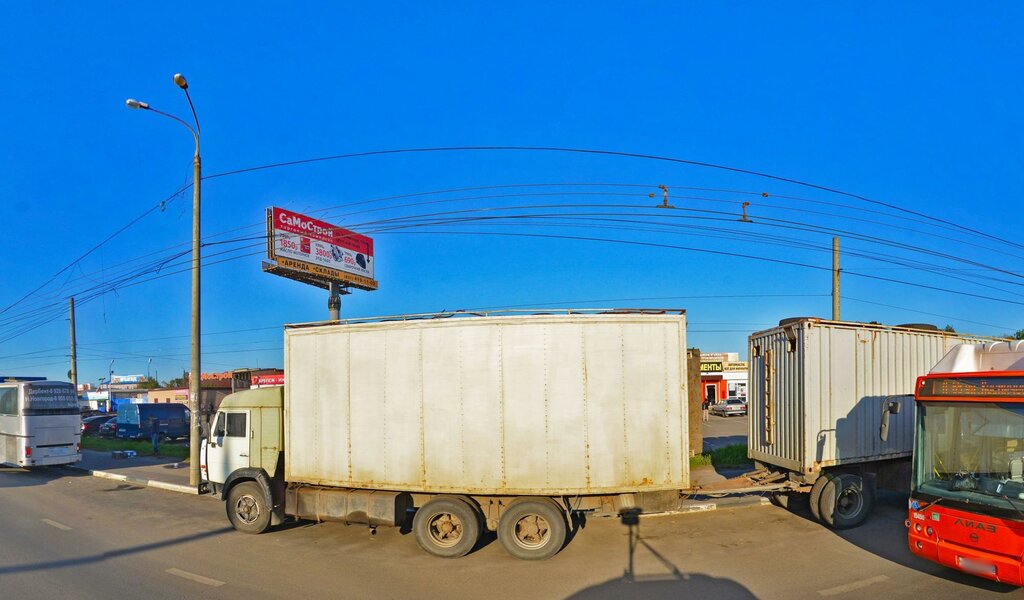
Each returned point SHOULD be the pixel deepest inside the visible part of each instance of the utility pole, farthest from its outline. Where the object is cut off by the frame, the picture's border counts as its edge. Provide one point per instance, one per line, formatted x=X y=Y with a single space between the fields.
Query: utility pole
x=74 y=348
x=835 y=278
x=334 y=301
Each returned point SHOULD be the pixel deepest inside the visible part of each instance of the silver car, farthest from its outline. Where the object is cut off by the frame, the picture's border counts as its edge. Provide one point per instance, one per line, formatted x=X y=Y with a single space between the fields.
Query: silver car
x=732 y=406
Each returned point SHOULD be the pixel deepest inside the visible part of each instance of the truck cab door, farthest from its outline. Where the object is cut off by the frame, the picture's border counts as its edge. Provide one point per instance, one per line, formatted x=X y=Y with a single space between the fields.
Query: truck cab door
x=227 y=448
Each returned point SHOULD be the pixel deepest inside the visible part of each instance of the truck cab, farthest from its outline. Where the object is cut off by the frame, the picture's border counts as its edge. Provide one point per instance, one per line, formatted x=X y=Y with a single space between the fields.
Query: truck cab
x=243 y=455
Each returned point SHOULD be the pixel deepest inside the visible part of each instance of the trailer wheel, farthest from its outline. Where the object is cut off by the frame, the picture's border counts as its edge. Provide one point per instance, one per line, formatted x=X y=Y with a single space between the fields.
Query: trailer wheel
x=815 y=496
x=446 y=526
x=845 y=502
x=248 y=508
x=532 y=529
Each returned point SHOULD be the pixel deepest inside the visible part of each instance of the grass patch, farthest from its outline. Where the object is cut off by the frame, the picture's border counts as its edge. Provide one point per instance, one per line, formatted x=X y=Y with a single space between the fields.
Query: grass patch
x=733 y=455
x=143 y=448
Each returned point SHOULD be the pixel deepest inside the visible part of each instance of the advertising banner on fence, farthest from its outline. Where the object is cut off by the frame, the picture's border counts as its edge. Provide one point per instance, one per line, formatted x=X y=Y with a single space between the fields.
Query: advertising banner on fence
x=307 y=244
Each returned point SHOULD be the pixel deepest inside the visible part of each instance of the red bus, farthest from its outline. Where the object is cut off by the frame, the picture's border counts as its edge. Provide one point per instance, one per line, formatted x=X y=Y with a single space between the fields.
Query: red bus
x=967 y=497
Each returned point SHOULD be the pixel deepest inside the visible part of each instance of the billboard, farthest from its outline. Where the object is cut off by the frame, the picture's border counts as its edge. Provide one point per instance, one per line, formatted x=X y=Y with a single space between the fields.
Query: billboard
x=116 y=379
x=260 y=381
x=319 y=250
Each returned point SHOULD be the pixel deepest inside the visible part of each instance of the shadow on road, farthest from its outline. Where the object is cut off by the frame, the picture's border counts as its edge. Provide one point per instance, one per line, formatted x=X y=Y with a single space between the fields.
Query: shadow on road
x=99 y=558
x=674 y=584
x=12 y=477
x=885 y=536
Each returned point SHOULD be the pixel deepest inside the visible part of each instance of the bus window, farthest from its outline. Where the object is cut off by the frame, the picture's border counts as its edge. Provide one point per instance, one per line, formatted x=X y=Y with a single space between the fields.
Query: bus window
x=8 y=401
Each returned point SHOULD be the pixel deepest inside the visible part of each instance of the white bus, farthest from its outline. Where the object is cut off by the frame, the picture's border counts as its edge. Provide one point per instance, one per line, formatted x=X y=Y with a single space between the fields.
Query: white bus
x=40 y=423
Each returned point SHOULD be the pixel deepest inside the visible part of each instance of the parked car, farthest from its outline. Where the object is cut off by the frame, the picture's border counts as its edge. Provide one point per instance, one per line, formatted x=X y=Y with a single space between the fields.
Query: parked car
x=732 y=406
x=108 y=428
x=91 y=425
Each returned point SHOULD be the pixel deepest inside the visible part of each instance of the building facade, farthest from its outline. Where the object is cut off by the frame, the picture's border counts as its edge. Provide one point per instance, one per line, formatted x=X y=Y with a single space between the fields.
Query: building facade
x=722 y=376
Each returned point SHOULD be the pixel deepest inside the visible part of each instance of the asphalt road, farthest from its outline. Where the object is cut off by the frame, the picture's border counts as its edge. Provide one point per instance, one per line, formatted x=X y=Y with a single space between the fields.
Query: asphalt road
x=67 y=535
x=723 y=431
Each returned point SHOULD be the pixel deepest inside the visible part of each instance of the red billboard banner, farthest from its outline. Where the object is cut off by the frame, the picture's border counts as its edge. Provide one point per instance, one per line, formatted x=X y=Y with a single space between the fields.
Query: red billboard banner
x=322 y=250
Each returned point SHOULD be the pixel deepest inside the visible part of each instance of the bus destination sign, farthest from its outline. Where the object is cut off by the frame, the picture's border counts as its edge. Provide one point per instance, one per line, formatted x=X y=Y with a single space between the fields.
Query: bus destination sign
x=972 y=387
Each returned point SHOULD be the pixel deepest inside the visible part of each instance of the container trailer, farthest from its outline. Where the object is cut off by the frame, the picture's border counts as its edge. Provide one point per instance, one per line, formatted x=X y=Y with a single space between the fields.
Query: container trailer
x=831 y=409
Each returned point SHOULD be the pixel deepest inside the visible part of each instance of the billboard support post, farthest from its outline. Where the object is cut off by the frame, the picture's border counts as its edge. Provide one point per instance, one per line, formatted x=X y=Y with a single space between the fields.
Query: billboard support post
x=334 y=301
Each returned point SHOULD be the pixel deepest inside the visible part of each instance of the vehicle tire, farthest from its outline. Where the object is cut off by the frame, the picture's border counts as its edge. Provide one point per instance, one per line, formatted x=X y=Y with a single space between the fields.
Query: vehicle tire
x=815 y=495
x=532 y=529
x=447 y=526
x=248 y=508
x=845 y=502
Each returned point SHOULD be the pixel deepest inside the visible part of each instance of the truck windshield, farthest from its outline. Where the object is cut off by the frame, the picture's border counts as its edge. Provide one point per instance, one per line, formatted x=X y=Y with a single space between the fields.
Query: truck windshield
x=971 y=454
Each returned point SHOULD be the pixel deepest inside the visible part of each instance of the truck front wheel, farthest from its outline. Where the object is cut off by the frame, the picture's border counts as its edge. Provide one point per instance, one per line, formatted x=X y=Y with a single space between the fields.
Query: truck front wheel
x=532 y=529
x=248 y=508
x=446 y=526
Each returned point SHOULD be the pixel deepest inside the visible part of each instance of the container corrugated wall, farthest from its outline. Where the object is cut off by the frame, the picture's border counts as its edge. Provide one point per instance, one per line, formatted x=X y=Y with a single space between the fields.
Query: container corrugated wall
x=817 y=390
x=547 y=405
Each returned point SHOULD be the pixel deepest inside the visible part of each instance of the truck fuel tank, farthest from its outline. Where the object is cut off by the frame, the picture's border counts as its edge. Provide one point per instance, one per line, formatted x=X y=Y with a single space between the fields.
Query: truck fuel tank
x=370 y=507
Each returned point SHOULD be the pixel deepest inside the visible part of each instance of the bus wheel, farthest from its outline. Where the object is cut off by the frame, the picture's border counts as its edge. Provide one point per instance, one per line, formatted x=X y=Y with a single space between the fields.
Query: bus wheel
x=845 y=502
x=248 y=508
x=532 y=529
x=446 y=526
x=815 y=496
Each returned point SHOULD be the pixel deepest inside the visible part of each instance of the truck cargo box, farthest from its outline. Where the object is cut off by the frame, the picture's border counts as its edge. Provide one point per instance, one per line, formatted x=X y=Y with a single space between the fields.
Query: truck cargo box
x=538 y=404
x=817 y=390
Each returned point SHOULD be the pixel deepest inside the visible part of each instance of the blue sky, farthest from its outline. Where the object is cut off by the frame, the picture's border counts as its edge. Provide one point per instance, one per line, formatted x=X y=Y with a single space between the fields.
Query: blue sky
x=916 y=108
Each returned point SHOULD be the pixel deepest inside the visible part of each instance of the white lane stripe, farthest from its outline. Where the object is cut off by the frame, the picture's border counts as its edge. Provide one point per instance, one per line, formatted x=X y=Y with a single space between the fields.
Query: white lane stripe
x=60 y=526
x=194 y=577
x=855 y=585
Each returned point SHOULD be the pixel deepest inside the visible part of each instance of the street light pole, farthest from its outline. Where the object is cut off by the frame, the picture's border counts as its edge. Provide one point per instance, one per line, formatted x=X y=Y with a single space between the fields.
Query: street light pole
x=195 y=378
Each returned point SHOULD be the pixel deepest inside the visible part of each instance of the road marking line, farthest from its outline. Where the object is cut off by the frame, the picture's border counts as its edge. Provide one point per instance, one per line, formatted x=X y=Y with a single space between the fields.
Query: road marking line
x=60 y=526
x=849 y=587
x=194 y=577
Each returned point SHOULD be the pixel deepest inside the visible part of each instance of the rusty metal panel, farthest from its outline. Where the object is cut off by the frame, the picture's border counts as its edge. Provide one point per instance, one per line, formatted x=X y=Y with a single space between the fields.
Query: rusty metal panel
x=541 y=404
x=817 y=390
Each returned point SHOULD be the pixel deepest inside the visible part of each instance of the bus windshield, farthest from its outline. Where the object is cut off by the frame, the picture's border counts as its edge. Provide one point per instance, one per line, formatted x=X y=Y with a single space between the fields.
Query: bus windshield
x=971 y=454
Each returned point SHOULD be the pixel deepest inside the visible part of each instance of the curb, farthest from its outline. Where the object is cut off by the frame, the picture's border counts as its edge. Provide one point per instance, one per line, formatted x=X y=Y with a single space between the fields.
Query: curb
x=171 y=487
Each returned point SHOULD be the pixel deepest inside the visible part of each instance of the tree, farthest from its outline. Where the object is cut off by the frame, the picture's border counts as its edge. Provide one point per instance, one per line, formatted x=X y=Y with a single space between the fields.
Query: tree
x=1019 y=335
x=149 y=384
x=178 y=382
x=949 y=329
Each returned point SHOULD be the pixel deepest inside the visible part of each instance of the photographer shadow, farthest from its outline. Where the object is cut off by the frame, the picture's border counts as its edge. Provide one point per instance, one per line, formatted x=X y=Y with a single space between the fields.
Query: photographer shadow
x=674 y=584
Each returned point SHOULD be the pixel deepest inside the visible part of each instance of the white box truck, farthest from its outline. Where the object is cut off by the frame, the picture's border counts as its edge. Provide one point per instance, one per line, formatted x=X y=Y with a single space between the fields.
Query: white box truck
x=513 y=423
x=831 y=408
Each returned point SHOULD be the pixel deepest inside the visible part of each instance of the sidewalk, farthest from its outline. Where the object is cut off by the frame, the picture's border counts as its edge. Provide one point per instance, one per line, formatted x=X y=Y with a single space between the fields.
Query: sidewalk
x=151 y=471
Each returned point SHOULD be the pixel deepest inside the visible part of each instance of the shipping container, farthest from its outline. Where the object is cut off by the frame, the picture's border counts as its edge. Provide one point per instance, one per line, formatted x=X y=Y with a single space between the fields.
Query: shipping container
x=819 y=393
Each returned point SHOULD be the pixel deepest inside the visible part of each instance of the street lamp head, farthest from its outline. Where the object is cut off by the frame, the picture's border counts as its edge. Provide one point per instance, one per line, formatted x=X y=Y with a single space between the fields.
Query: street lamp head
x=179 y=79
x=133 y=103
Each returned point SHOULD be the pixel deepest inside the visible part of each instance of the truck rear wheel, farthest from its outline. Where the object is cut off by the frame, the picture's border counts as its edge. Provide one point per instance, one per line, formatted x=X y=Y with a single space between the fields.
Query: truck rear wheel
x=446 y=526
x=815 y=496
x=532 y=529
x=248 y=508
x=845 y=502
